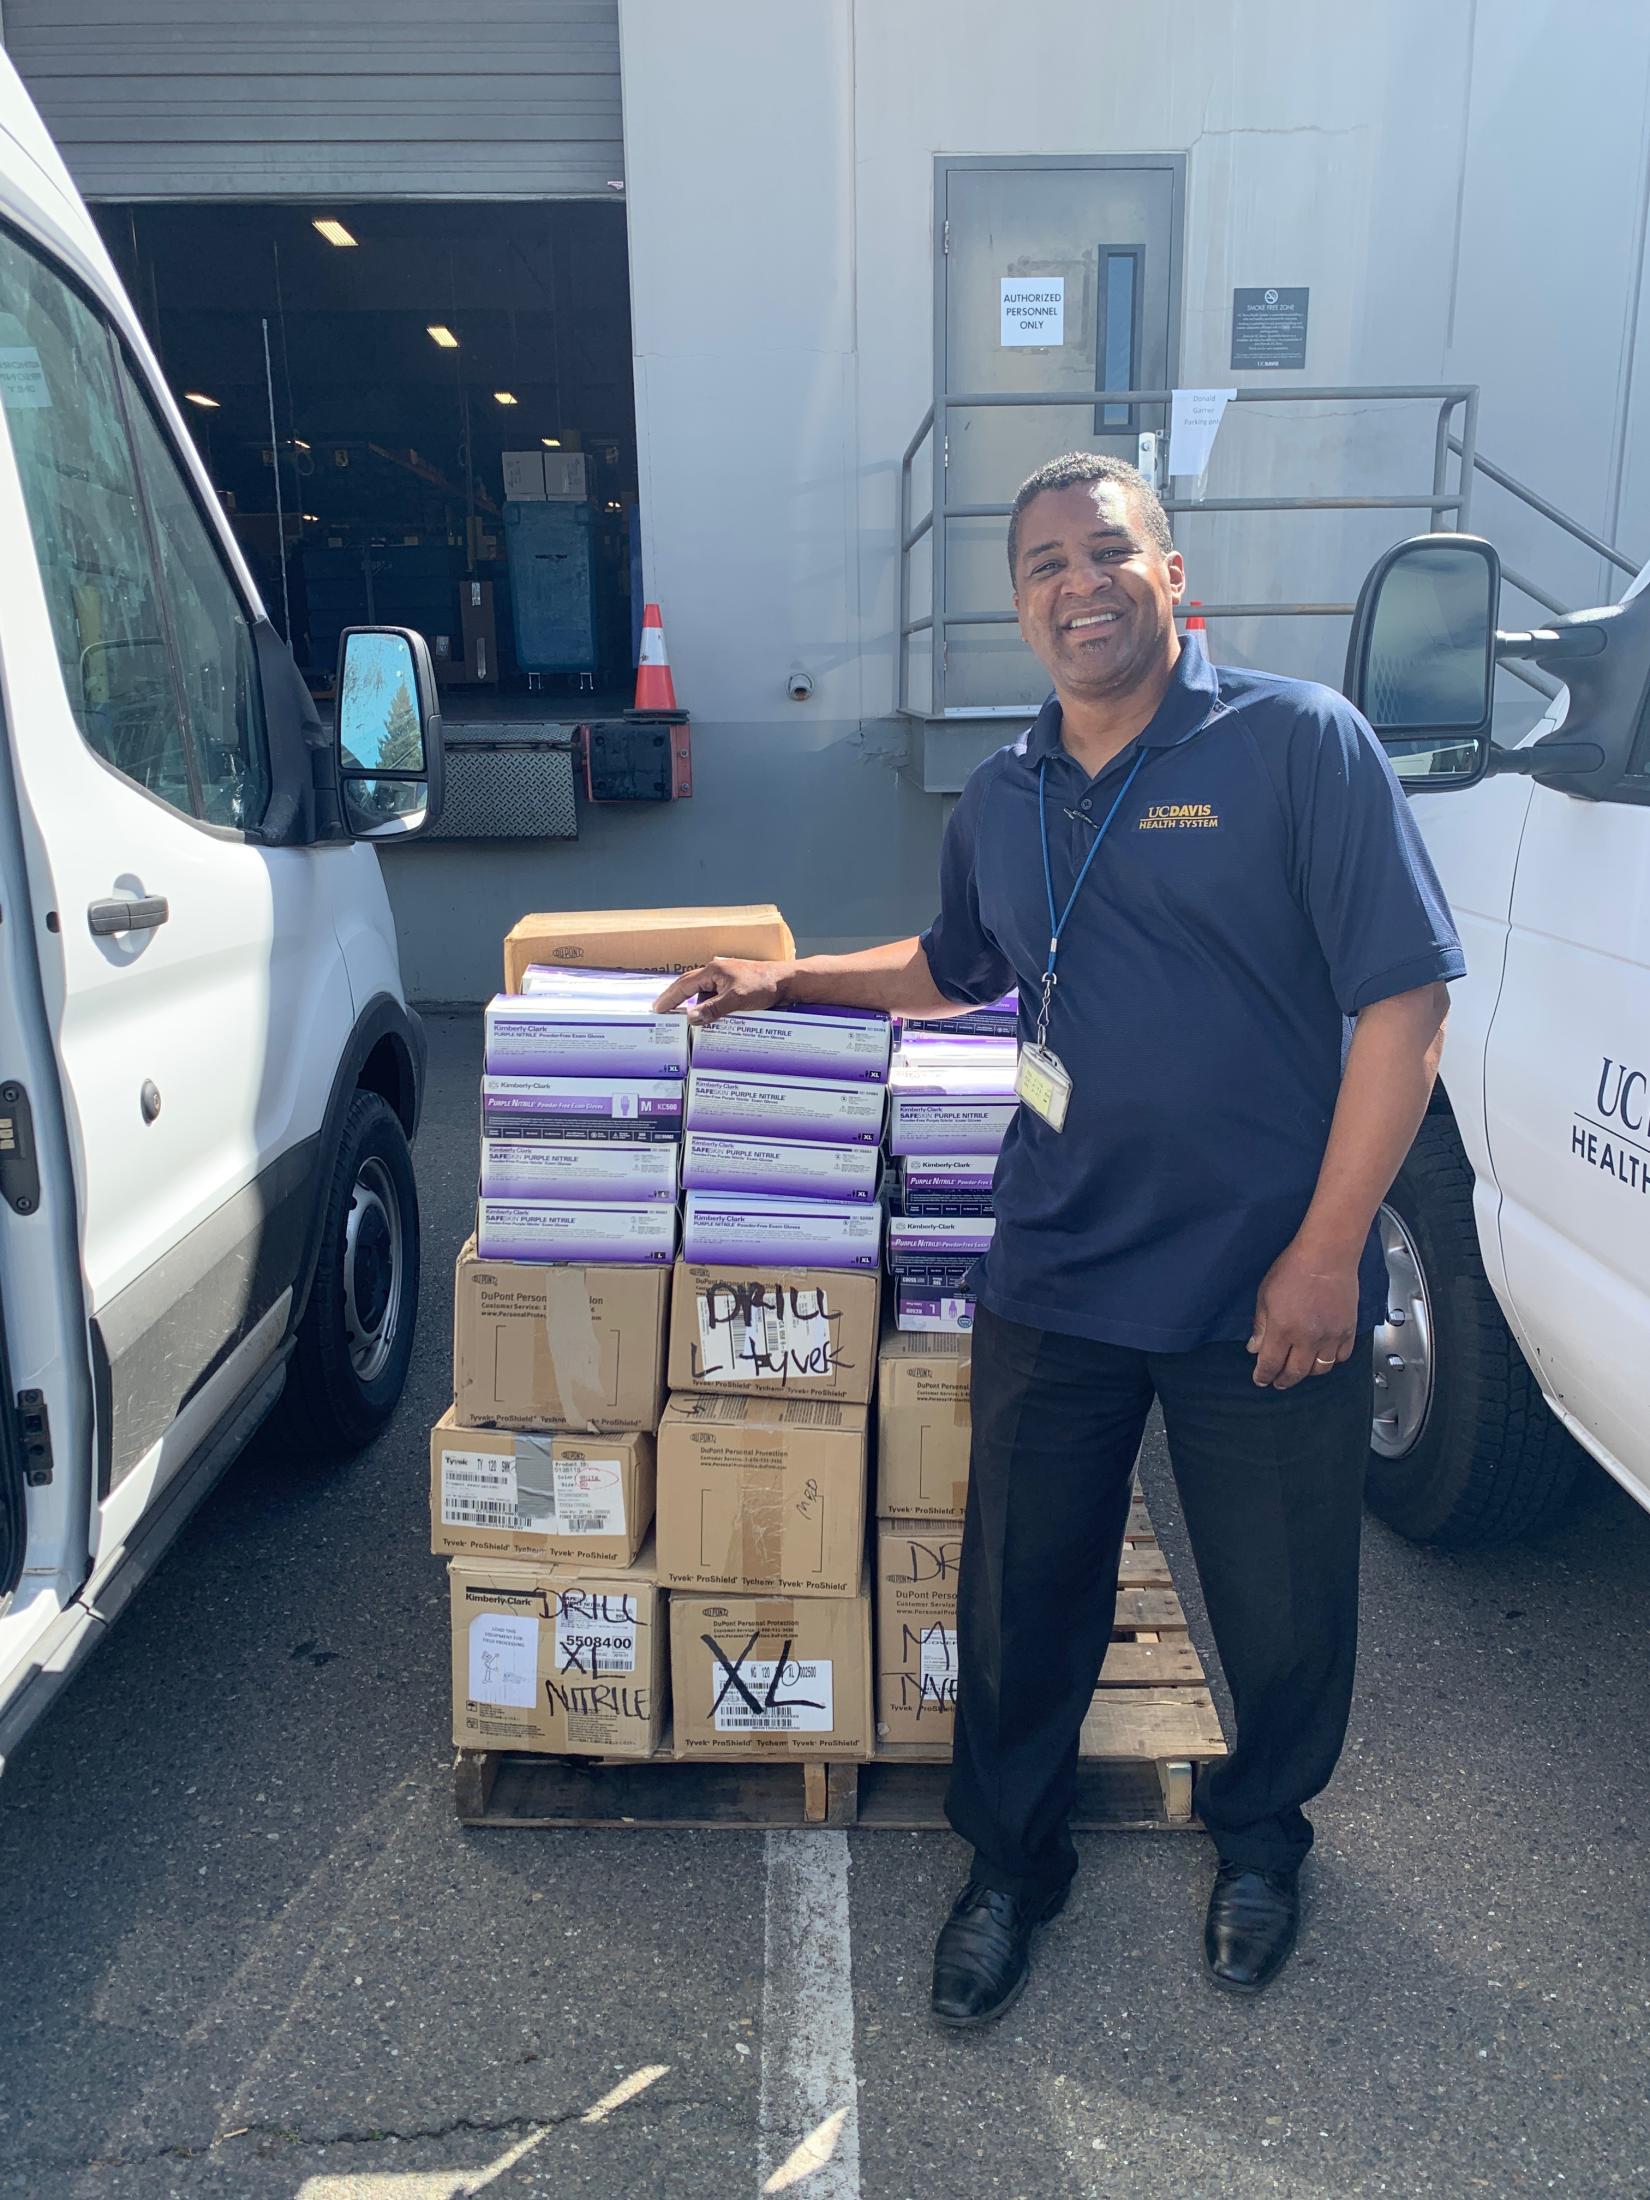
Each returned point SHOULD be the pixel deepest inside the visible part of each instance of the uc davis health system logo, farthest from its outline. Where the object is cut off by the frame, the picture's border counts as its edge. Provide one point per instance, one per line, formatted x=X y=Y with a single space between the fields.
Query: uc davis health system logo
x=1180 y=816
x=1616 y=1141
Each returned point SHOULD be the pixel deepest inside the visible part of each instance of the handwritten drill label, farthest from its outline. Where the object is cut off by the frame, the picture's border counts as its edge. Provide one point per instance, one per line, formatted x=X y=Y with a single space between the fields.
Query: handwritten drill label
x=595 y=1633
x=504 y=1659
x=763 y=1336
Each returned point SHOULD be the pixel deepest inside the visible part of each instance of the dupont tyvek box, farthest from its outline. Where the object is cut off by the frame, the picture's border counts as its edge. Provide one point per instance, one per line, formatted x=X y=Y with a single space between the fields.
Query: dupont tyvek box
x=812 y=1108
x=578 y=1170
x=850 y=1044
x=721 y=1161
x=606 y=1035
x=536 y=1230
x=748 y=1230
x=916 y=1242
x=563 y=1107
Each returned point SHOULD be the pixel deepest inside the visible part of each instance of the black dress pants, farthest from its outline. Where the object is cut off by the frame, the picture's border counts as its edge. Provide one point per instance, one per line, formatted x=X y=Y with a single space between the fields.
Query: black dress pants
x=1271 y=1485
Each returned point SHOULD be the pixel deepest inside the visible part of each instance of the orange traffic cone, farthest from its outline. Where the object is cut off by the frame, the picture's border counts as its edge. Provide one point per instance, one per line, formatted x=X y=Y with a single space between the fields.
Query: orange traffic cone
x=655 y=689
x=1195 y=624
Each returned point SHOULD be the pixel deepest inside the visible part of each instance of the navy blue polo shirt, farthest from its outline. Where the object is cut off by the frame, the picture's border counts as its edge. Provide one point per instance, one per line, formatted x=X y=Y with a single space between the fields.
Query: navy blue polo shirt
x=1263 y=882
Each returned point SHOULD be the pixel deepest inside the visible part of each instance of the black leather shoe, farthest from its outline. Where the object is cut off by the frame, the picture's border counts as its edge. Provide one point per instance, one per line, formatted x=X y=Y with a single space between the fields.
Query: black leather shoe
x=983 y=1956
x=1251 y=1926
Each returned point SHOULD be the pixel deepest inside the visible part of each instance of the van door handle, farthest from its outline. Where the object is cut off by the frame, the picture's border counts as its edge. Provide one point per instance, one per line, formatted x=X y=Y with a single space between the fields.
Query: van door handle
x=109 y=917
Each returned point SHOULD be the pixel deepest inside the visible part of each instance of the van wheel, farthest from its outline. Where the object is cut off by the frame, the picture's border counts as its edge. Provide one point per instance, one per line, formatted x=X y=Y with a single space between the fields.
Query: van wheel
x=355 y=1341
x=1464 y=1449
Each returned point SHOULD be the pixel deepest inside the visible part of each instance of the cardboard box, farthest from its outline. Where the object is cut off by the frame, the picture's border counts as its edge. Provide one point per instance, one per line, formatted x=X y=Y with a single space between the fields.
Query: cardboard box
x=645 y=939
x=562 y=1231
x=543 y=1107
x=567 y=476
x=558 y=1348
x=772 y=1676
x=843 y=1044
x=764 y=1231
x=584 y=1170
x=539 y=1499
x=762 y=1494
x=570 y=1658
x=725 y=1161
x=917 y=1562
x=807 y=1332
x=524 y=477
x=923 y=1425
x=531 y=1036
x=803 y=1108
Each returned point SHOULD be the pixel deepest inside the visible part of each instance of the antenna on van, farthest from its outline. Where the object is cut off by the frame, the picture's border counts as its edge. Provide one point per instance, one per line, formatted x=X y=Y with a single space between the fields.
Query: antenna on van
x=280 y=515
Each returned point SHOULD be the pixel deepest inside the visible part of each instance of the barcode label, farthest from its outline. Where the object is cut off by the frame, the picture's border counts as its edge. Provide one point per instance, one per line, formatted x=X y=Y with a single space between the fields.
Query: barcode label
x=589 y=1497
x=761 y=1697
x=478 y=1490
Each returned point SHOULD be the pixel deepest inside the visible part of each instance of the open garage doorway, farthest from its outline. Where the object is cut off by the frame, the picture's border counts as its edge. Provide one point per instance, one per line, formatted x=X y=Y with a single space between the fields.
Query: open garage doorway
x=419 y=414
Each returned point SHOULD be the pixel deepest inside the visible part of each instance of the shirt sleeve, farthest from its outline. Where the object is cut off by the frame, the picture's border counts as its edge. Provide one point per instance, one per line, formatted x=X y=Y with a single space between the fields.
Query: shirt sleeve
x=1362 y=868
x=964 y=960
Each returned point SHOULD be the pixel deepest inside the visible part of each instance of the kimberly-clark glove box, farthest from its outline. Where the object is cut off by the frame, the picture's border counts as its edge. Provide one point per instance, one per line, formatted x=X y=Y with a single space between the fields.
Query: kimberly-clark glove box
x=746 y=1230
x=718 y=1161
x=817 y=1109
x=579 y=1171
x=582 y=1107
x=849 y=1044
x=604 y=1035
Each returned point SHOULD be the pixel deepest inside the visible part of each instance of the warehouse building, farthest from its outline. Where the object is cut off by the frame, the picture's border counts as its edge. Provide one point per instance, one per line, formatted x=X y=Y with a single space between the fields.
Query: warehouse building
x=499 y=318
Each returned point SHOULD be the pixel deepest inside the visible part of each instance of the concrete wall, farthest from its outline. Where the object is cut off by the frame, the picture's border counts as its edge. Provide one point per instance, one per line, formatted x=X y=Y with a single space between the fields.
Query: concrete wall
x=1461 y=184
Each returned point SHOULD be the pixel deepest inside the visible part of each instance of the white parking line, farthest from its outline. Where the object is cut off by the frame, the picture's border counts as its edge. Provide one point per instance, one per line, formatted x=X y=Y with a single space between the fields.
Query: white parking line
x=809 y=2139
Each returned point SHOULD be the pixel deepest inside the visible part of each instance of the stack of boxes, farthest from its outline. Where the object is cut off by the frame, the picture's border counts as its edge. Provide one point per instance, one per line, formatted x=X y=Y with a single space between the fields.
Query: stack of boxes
x=951 y=1101
x=543 y=1474
x=764 y=1447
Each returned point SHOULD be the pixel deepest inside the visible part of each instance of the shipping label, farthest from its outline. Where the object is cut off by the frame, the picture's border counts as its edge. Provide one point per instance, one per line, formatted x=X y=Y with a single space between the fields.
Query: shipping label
x=771 y=1695
x=589 y=1497
x=595 y=1633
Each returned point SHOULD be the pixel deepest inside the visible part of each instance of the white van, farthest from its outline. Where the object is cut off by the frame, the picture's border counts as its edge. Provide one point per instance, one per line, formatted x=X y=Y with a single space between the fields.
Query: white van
x=1518 y=1232
x=209 y=1077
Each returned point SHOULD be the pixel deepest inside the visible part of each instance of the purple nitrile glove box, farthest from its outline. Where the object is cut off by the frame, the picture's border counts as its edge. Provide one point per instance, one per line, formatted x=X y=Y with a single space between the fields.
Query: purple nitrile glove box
x=642 y=987
x=961 y=1100
x=562 y=1107
x=579 y=1171
x=915 y=1241
x=996 y=1019
x=845 y=1044
x=533 y=1035
x=817 y=1110
x=724 y=1161
x=746 y=1230
x=963 y=1174
x=559 y=1230
x=931 y=1308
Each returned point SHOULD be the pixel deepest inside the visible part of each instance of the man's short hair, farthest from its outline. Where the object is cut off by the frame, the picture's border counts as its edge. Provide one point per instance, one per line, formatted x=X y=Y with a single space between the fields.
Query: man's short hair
x=1070 y=472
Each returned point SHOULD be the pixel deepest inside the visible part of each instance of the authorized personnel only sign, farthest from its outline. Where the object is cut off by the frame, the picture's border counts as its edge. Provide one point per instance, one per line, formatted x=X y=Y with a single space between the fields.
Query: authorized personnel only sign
x=1034 y=309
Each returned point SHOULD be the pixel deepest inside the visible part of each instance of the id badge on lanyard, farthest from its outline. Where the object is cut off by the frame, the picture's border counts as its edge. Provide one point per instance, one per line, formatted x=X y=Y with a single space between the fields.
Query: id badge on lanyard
x=1041 y=1079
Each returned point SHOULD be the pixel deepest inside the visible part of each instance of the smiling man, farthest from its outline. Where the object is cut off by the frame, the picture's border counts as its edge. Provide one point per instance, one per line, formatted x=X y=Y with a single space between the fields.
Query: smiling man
x=1232 y=955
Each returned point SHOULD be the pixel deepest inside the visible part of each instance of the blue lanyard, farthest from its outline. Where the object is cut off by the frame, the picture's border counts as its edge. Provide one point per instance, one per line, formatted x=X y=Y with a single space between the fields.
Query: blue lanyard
x=1058 y=918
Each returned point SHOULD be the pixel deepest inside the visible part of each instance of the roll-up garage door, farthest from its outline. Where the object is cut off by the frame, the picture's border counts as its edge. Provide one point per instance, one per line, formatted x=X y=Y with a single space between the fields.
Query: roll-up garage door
x=427 y=99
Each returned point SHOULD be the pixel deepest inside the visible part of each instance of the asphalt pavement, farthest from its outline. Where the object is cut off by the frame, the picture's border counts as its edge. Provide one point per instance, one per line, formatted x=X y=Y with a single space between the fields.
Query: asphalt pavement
x=247 y=1952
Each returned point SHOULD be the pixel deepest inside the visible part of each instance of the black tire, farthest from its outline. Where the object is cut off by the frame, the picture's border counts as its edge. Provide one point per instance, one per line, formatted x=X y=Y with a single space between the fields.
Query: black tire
x=356 y=1338
x=1490 y=1460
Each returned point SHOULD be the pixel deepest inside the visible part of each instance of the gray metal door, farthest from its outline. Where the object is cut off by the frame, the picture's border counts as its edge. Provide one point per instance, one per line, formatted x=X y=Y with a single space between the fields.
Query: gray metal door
x=1054 y=275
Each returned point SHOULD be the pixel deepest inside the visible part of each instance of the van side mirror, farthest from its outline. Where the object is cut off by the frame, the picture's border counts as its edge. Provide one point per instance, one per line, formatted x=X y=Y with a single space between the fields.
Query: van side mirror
x=1420 y=661
x=390 y=760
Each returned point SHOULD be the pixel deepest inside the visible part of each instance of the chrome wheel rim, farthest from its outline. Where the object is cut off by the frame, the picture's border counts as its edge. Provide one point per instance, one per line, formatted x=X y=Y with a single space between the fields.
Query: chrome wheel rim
x=1403 y=1344
x=374 y=1266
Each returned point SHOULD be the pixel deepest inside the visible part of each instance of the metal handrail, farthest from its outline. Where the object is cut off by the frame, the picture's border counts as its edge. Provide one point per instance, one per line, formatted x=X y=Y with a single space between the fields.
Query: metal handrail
x=1538 y=503
x=1450 y=398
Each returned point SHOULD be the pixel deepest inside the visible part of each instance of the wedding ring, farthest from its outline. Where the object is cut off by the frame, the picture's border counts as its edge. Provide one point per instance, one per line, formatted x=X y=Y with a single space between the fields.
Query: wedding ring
x=1323 y=1363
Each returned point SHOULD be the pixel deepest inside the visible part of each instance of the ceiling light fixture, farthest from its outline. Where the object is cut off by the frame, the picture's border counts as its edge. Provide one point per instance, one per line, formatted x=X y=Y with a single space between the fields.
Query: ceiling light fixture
x=298 y=443
x=551 y=442
x=442 y=336
x=505 y=397
x=197 y=397
x=333 y=231
x=314 y=518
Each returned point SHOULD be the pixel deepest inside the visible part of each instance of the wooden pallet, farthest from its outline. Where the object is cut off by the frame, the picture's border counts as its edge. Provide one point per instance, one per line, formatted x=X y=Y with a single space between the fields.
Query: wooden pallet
x=1152 y=1723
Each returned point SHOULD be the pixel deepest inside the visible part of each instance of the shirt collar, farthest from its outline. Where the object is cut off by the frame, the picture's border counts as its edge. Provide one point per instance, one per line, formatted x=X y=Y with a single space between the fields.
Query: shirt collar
x=1193 y=691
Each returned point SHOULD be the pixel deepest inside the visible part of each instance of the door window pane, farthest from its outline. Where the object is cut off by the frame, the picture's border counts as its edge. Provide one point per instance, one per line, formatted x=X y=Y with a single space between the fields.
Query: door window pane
x=58 y=375
x=211 y=636
x=1117 y=347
